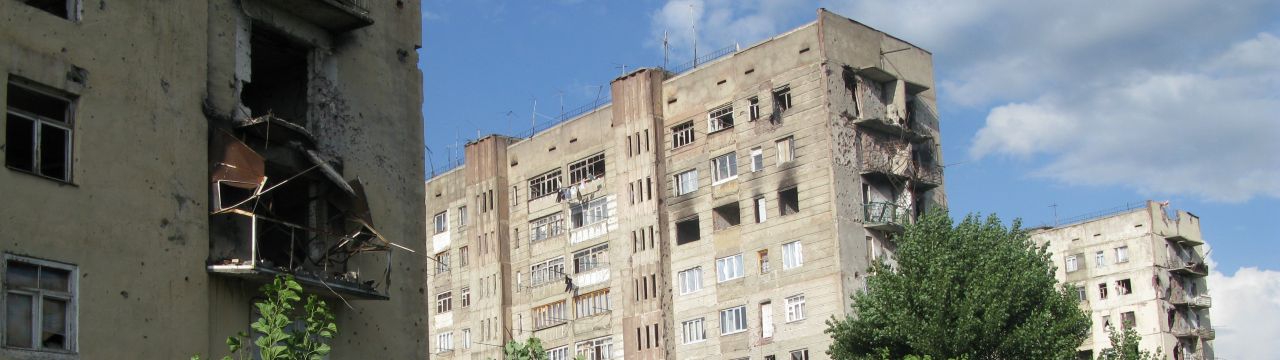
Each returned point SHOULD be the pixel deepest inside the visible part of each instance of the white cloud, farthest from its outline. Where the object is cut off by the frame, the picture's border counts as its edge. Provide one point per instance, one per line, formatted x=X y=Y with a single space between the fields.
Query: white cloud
x=1245 y=313
x=1168 y=97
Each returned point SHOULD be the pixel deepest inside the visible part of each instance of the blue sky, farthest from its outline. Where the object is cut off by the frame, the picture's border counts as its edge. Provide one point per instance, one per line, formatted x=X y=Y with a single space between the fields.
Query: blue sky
x=1087 y=105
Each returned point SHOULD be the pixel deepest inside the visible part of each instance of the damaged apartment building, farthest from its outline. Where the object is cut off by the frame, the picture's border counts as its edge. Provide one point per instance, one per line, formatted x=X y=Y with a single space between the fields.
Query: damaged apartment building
x=724 y=212
x=1141 y=268
x=165 y=159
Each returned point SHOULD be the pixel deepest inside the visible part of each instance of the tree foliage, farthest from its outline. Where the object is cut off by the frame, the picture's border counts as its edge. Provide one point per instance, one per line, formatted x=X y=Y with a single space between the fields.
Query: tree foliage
x=530 y=349
x=1124 y=346
x=280 y=336
x=976 y=290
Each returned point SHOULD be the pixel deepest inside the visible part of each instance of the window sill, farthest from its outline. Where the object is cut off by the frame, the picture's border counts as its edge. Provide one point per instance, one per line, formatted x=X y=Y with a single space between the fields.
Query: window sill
x=725 y=180
x=18 y=353
x=695 y=342
x=733 y=332
x=53 y=179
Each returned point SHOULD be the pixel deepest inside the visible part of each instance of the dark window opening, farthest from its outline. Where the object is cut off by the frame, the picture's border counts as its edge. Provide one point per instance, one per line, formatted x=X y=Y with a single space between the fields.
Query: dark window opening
x=587 y=169
x=687 y=231
x=38 y=132
x=278 y=80
x=61 y=8
x=726 y=216
x=788 y=201
x=782 y=98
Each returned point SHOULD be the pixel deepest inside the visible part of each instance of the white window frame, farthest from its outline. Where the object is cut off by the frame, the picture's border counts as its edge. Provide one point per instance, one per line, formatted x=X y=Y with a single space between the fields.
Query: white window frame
x=546 y=272
x=733 y=320
x=801 y=354
x=690 y=280
x=795 y=308
x=695 y=330
x=586 y=169
x=38 y=296
x=442 y=262
x=1122 y=254
x=466 y=338
x=442 y=221
x=444 y=302
x=546 y=227
x=591 y=258
x=782 y=98
x=757 y=159
x=1100 y=258
x=682 y=134
x=462 y=215
x=753 y=108
x=560 y=353
x=592 y=303
x=444 y=342
x=1072 y=263
x=464 y=296
x=545 y=184
x=720 y=118
x=686 y=182
x=762 y=209
x=729 y=268
x=548 y=315
x=792 y=255
x=596 y=349
x=724 y=168
x=589 y=213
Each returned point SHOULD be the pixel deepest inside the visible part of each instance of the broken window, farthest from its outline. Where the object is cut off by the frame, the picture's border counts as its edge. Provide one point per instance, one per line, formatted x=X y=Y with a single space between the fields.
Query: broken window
x=724 y=168
x=588 y=213
x=546 y=227
x=802 y=354
x=1106 y=322
x=764 y=260
x=40 y=298
x=592 y=303
x=1128 y=320
x=753 y=107
x=682 y=134
x=278 y=76
x=587 y=169
x=38 y=130
x=549 y=315
x=766 y=319
x=1102 y=291
x=786 y=147
x=466 y=296
x=546 y=184
x=788 y=202
x=782 y=98
x=442 y=262
x=761 y=207
x=687 y=231
x=66 y=9
x=720 y=118
x=726 y=216
x=1124 y=287
x=591 y=259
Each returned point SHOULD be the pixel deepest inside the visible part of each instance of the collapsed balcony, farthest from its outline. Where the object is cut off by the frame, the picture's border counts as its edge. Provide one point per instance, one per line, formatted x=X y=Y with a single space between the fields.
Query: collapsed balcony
x=333 y=15
x=891 y=161
x=278 y=206
x=885 y=103
x=885 y=216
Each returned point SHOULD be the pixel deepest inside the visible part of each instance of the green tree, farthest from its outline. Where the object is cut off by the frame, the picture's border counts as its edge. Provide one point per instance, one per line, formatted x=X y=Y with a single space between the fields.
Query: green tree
x=1124 y=346
x=281 y=336
x=977 y=290
x=530 y=349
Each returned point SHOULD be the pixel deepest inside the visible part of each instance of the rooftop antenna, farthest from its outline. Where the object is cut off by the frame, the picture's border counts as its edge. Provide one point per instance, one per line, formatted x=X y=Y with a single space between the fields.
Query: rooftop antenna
x=693 y=23
x=1055 y=213
x=533 y=118
x=561 y=93
x=665 y=47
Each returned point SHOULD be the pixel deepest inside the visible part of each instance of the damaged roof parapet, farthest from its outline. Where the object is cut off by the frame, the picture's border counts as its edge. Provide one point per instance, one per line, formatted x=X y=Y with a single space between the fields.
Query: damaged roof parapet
x=278 y=206
x=335 y=16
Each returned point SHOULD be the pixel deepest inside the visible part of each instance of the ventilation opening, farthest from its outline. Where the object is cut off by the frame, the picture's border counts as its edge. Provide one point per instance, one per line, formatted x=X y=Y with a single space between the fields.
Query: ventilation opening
x=278 y=80
x=687 y=231
x=726 y=216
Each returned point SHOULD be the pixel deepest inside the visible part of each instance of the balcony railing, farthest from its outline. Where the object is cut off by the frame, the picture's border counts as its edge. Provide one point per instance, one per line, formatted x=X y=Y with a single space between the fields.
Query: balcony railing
x=1185 y=331
x=333 y=15
x=1187 y=266
x=1183 y=299
x=884 y=216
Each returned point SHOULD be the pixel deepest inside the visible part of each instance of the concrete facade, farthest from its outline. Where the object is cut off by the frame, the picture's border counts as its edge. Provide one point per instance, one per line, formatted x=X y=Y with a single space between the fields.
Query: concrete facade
x=146 y=91
x=833 y=137
x=1143 y=268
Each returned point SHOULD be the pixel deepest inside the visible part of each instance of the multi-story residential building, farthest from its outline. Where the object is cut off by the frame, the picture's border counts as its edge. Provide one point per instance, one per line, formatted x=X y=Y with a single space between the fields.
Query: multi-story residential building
x=1141 y=268
x=720 y=212
x=163 y=159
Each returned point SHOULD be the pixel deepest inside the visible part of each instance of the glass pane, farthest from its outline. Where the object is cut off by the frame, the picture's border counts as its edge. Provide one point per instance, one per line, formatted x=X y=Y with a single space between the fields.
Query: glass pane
x=19 y=142
x=53 y=334
x=55 y=279
x=17 y=330
x=21 y=274
x=53 y=151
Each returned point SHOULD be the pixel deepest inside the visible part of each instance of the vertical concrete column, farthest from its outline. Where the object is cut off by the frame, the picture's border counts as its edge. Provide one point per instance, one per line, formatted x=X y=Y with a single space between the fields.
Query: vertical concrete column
x=488 y=199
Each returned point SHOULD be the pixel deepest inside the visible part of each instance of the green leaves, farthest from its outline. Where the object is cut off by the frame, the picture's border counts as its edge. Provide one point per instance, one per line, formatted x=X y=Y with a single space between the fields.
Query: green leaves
x=1124 y=346
x=531 y=349
x=280 y=336
x=975 y=290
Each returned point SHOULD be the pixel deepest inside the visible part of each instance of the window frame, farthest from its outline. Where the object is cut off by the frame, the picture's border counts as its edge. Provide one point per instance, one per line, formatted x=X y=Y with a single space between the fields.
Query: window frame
x=789 y=144
x=597 y=349
x=38 y=295
x=720 y=118
x=782 y=98
x=731 y=168
x=792 y=255
x=692 y=182
x=442 y=222
x=544 y=184
x=690 y=280
x=682 y=134
x=590 y=168
x=794 y=308
x=757 y=159
x=596 y=210
x=753 y=108
x=1122 y=254
x=67 y=124
x=545 y=316
x=444 y=342
x=598 y=297
x=688 y=325
x=736 y=316
x=731 y=262
x=598 y=256
x=444 y=302
x=542 y=273
x=546 y=227
x=1071 y=263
